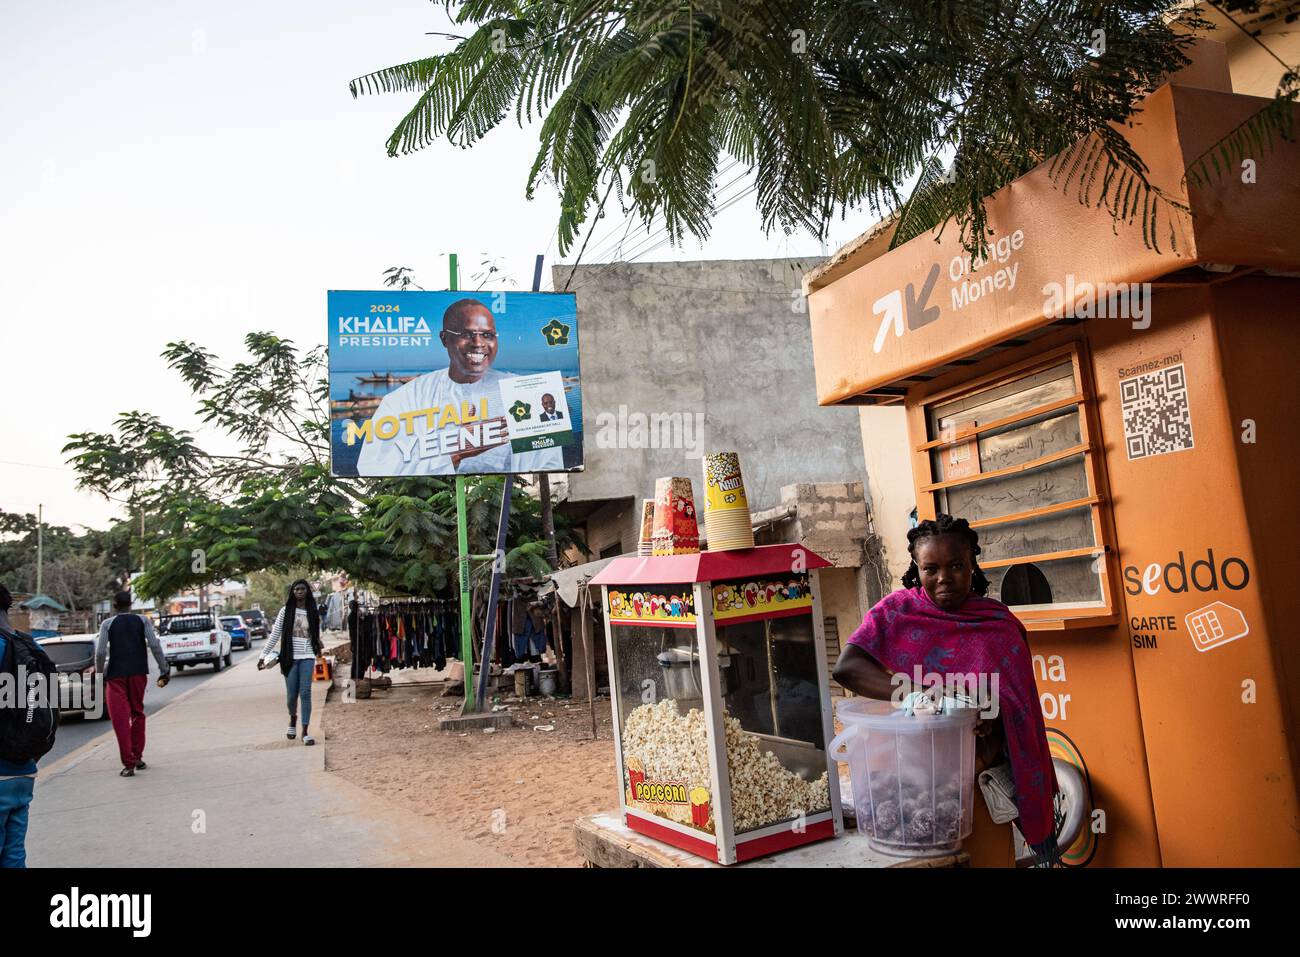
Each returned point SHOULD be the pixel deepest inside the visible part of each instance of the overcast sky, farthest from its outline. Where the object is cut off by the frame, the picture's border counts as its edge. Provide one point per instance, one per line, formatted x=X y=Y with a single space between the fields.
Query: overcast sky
x=196 y=170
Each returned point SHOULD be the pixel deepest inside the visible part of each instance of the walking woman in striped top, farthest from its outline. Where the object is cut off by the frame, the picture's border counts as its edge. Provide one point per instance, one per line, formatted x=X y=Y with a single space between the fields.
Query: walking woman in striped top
x=296 y=633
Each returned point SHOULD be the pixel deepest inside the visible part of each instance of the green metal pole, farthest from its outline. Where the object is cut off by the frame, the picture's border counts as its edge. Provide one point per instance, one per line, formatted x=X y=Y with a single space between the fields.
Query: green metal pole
x=466 y=617
x=462 y=546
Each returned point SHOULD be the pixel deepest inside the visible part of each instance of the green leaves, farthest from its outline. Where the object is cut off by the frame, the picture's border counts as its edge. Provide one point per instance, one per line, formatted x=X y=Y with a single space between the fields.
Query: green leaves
x=1251 y=139
x=78 y=568
x=832 y=104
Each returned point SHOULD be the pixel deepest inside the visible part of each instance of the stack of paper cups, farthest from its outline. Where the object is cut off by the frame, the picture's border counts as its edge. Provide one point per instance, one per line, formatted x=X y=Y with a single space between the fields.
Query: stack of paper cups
x=726 y=508
x=645 y=544
x=676 y=531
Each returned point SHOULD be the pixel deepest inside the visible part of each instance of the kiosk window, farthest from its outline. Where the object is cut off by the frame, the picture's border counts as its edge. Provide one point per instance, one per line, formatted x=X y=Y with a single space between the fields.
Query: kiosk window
x=1011 y=454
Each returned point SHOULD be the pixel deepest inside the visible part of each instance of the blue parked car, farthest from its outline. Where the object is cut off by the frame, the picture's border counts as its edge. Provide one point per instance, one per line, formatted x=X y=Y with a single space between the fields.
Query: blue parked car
x=238 y=631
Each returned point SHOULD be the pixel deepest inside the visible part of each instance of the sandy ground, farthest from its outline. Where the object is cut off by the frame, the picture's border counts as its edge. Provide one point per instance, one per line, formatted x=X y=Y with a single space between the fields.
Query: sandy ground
x=517 y=791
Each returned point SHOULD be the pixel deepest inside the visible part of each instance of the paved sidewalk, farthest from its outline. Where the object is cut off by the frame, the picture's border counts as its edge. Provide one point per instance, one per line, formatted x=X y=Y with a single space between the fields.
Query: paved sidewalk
x=225 y=788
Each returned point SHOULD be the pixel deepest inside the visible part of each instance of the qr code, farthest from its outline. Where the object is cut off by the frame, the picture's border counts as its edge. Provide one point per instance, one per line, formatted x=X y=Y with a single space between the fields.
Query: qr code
x=1157 y=418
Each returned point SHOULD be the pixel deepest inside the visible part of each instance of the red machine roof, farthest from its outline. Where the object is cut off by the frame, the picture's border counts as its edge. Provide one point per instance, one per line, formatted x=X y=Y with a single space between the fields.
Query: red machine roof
x=707 y=566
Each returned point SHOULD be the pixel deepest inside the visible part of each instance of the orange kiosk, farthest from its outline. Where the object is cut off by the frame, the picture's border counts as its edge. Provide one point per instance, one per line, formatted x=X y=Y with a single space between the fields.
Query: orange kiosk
x=1117 y=417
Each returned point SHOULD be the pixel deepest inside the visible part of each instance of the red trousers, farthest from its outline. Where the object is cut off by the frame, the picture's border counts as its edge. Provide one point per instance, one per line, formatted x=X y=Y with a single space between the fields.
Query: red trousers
x=126 y=710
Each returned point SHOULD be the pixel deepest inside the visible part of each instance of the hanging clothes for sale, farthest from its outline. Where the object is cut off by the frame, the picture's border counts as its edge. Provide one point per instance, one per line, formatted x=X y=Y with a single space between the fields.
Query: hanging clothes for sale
x=333 y=618
x=402 y=633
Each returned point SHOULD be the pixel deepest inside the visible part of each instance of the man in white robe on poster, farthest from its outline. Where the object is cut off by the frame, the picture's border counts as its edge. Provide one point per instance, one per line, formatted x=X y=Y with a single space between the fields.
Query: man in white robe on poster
x=435 y=424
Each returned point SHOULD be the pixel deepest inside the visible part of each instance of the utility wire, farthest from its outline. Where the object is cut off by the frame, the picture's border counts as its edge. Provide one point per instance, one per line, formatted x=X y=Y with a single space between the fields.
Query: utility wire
x=33 y=465
x=662 y=216
x=654 y=241
x=613 y=246
x=606 y=248
x=651 y=243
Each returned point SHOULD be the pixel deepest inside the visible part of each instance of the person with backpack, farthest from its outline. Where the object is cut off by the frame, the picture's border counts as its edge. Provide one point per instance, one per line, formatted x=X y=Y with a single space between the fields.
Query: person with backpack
x=28 y=724
x=126 y=639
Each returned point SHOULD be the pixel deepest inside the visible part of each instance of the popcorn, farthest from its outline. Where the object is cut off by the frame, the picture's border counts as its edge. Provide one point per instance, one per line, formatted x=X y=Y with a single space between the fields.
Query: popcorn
x=671 y=746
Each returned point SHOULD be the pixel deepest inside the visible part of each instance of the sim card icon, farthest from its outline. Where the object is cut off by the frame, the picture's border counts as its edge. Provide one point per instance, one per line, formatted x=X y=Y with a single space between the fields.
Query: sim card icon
x=1216 y=624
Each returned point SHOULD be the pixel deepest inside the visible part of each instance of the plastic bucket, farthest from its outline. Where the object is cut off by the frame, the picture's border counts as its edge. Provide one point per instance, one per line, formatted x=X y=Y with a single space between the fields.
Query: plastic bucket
x=546 y=682
x=913 y=776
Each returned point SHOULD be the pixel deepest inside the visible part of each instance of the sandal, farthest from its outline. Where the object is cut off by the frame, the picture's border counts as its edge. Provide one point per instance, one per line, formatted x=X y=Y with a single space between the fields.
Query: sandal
x=291 y=733
x=308 y=739
x=127 y=773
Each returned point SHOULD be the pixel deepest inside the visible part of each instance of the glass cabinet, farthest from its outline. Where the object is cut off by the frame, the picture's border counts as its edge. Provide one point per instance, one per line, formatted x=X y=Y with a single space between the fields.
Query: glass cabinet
x=720 y=698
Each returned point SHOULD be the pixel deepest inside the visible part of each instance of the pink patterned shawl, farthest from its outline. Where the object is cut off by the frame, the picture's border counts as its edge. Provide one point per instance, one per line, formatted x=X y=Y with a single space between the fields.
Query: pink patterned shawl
x=906 y=628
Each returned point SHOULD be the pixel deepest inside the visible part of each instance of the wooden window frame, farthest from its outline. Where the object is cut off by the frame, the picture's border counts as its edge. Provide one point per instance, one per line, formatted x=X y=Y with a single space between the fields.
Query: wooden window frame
x=1089 y=446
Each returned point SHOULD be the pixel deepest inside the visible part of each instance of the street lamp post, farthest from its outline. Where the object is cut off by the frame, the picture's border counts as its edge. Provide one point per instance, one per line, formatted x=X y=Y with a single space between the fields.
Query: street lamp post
x=40 y=548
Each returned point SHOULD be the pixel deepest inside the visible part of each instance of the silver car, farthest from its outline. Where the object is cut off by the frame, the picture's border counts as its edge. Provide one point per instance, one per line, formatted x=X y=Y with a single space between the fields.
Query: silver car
x=74 y=657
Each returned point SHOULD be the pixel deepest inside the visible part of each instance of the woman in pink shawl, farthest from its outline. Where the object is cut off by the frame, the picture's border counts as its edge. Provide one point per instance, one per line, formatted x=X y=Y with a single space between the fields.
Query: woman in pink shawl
x=941 y=622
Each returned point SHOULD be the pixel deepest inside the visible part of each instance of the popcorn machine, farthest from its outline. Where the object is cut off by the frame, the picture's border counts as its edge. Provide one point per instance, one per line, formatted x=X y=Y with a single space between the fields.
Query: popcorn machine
x=721 y=700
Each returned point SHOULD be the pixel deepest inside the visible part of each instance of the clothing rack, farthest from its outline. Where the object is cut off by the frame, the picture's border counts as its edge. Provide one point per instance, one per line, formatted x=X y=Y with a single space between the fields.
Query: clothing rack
x=396 y=633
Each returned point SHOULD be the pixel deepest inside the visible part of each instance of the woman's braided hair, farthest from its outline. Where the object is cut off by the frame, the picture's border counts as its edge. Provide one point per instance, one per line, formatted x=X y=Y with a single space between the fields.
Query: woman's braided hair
x=945 y=525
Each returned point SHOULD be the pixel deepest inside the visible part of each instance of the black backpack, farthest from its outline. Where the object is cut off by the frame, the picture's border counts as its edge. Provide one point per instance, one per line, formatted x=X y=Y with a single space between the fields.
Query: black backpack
x=29 y=716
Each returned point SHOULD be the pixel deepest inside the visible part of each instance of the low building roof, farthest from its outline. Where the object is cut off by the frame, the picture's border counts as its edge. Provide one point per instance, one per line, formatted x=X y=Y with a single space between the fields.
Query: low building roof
x=41 y=601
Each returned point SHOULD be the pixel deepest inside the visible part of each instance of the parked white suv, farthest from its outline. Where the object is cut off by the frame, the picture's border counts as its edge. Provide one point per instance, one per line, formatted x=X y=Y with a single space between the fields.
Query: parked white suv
x=194 y=639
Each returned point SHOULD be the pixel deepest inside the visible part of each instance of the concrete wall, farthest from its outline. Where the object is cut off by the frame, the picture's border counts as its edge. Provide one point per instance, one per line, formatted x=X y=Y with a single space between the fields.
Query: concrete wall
x=832 y=519
x=726 y=340
x=891 y=494
x=840 y=606
x=1253 y=64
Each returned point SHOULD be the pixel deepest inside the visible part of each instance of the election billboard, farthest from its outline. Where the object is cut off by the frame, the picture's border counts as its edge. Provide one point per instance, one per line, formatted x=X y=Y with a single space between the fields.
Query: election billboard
x=453 y=383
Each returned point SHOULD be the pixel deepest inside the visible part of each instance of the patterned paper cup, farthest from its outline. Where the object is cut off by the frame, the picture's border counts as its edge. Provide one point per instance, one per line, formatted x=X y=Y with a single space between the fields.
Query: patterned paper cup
x=645 y=543
x=635 y=775
x=676 y=530
x=726 y=506
x=699 y=806
x=724 y=486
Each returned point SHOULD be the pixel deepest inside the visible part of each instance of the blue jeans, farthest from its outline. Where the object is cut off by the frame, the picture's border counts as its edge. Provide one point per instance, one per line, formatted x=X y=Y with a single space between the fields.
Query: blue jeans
x=298 y=684
x=15 y=799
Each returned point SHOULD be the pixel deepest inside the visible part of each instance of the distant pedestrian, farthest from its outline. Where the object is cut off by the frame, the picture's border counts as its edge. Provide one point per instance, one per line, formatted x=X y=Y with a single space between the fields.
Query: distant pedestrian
x=126 y=639
x=296 y=633
x=27 y=732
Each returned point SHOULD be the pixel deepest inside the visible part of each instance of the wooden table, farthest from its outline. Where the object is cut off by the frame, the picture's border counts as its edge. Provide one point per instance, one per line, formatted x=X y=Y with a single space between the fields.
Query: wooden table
x=605 y=841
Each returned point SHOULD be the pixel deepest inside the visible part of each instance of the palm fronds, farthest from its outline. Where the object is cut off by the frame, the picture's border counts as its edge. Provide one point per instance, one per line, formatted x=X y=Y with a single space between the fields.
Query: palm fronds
x=833 y=105
x=1251 y=138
